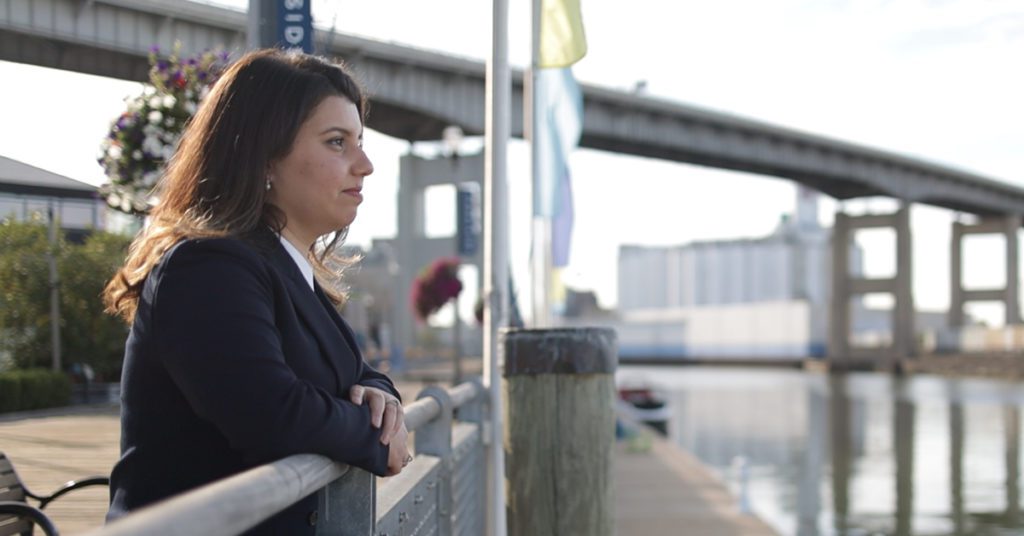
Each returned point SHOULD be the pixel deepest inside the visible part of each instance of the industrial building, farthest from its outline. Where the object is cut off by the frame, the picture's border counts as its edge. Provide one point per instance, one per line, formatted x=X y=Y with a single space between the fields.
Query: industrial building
x=748 y=298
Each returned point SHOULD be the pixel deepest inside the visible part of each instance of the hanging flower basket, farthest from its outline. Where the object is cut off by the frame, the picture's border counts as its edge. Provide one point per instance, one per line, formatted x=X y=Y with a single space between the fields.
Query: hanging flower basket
x=143 y=138
x=435 y=286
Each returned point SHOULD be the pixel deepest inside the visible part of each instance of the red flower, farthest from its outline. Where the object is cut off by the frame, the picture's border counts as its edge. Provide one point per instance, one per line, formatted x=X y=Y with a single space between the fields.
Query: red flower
x=435 y=286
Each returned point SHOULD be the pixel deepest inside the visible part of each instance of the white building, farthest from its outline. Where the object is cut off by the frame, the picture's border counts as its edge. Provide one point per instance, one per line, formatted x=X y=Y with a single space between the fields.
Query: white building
x=793 y=263
x=744 y=298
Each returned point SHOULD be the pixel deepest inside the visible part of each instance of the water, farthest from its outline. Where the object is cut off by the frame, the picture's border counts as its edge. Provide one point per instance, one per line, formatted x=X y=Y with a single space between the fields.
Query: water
x=860 y=454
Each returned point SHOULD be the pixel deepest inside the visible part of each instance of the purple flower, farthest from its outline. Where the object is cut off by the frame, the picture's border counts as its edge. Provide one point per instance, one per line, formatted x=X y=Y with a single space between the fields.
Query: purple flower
x=161 y=66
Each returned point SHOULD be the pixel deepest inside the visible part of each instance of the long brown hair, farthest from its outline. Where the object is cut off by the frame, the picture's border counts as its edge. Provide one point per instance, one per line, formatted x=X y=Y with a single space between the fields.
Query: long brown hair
x=214 y=185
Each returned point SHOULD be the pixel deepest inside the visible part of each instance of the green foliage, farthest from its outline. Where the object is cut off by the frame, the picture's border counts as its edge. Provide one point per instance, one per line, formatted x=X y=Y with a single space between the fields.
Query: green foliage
x=22 y=390
x=24 y=293
x=88 y=335
x=10 y=391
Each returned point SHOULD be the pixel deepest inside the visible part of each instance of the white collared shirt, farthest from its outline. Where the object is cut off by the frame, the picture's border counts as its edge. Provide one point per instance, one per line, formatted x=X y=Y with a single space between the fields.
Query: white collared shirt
x=300 y=260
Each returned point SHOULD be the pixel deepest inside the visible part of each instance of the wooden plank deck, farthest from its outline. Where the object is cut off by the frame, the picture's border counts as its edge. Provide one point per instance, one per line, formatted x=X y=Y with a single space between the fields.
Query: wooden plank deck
x=658 y=490
x=54 y=447
x=666 y=490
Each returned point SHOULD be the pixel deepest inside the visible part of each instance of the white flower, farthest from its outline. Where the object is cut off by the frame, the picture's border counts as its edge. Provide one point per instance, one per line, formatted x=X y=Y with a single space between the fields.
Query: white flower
x=190 y=107
x=152 y=145
x=189 y=94
x=114 y=152
x=155 y=101
x=149 y=179
x=155 y=117
x=148 y=90
x=137 y=154
x=114 y=200
x=126 y=203
x=169 y=101
x=140 y=201
x=169 y=122
x=168 y=152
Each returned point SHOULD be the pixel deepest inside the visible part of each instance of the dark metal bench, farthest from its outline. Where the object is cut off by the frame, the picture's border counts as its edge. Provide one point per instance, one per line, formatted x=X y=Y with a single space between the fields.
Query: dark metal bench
x=16 y=515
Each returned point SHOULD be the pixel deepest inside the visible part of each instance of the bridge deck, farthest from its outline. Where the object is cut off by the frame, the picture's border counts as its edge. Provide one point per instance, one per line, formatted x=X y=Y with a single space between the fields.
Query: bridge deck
x=657 y=490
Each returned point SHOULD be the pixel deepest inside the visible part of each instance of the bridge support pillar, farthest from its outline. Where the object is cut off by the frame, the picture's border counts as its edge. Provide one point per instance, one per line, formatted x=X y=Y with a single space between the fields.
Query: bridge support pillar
x=844 y=286
x=413 y=247
x=1009 y=295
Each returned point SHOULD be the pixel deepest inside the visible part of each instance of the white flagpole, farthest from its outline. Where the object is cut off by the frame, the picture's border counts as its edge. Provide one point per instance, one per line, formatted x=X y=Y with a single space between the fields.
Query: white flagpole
x=496 y=131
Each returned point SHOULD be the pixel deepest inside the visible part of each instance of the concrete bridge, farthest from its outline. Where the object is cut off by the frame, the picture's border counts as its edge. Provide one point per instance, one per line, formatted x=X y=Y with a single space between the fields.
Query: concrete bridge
x=416 y=93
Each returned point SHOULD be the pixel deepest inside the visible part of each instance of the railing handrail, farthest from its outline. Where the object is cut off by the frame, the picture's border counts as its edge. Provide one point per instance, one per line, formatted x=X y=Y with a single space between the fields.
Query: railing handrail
x=234 y=504
x=240 y=502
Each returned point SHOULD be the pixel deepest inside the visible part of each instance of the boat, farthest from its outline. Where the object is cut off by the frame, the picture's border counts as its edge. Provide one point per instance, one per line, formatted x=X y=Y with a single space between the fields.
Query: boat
x=644 y=404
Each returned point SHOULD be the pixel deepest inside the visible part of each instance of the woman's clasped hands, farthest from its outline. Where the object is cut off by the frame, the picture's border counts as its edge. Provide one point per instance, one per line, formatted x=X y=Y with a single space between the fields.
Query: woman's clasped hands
x=387 y=414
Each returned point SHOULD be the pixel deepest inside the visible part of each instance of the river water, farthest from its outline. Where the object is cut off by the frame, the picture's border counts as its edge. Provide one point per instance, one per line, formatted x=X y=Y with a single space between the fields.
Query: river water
x=855 y=454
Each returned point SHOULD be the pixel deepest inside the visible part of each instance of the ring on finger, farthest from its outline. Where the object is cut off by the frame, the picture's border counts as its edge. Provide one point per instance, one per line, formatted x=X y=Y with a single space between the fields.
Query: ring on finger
x=407 y=460
x=392 y=403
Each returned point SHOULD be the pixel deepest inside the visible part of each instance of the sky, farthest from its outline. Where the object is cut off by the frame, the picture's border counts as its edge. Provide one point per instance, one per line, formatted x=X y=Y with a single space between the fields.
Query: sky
x=935 y=79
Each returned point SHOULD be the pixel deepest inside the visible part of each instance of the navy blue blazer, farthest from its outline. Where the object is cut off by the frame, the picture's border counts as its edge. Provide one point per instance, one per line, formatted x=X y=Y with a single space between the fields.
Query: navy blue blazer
x=232 y=361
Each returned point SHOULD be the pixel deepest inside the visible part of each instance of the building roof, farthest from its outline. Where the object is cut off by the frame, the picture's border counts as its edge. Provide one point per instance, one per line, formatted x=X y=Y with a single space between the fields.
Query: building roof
x=20 y=178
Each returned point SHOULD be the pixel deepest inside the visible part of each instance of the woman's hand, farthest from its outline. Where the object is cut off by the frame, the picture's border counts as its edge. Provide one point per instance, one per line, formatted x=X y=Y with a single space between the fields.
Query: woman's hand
x=386 y=413
x=385 y=410
x=398 y=451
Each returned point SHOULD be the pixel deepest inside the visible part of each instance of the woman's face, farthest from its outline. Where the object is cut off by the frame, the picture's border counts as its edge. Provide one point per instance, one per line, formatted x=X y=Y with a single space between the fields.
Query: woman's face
x=318 y=184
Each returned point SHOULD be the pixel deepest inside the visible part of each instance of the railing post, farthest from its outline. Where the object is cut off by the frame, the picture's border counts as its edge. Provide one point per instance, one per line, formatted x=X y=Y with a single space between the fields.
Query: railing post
x=559 y=395
x=348 y=506
x=474 y=411
x=469 y=477
x=435 y=439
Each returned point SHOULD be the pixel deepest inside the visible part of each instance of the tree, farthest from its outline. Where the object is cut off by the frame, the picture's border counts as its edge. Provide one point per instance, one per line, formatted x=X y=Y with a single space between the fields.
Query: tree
x=24 y=293
x=88 y=335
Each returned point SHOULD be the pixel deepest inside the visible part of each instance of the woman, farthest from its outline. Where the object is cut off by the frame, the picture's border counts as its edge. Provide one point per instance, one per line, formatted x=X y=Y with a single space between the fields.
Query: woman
x=236 y=355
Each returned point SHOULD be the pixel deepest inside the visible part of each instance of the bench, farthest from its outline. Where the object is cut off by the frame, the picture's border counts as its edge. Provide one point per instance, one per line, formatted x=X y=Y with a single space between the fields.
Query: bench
x=17 y=516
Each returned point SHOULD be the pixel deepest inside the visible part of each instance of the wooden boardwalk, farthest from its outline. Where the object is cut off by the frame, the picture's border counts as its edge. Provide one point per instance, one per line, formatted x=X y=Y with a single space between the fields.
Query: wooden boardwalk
x=665 y=490
x=56 y=446
x=659 y=489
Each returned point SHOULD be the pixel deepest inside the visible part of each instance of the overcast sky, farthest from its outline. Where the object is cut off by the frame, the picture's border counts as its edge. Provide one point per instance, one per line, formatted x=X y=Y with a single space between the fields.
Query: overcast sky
x=940 y=80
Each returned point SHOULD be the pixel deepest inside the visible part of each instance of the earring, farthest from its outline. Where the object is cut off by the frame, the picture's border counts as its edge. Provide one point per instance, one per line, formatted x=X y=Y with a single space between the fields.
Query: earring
x=268 y=184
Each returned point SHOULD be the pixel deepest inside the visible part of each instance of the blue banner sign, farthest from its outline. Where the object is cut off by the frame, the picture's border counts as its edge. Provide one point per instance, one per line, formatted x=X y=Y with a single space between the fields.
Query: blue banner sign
x=295 y=25
x=468 y=219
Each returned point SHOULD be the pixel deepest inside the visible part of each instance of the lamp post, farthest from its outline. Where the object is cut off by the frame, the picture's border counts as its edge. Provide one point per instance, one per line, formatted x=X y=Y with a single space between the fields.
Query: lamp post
x=451 y=139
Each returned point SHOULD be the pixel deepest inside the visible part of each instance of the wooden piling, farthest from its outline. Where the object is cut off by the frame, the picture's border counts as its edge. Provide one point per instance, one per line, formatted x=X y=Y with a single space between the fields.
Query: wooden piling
x=559 y=396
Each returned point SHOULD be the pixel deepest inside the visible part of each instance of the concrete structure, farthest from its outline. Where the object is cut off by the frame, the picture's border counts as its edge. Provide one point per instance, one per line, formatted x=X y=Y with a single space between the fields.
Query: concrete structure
x=28 y=192
x=1010 y=294
x=846 y=285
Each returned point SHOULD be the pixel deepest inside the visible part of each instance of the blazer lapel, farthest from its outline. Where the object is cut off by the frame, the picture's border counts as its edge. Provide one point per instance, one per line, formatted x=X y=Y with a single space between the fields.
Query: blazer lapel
x=333 y=344
x=343 y=327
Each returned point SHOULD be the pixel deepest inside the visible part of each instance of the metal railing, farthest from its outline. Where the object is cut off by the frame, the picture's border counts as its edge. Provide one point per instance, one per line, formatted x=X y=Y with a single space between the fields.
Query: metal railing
x=440 y=492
